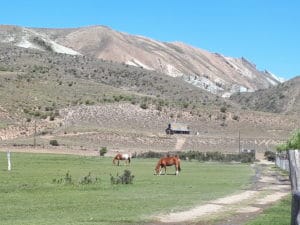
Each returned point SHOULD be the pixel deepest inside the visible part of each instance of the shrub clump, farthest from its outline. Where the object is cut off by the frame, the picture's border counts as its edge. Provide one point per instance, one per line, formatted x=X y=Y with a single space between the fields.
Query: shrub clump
x=88 y=179
x=223 y=109
x=151 y=154
x=125 y=178
x=67 y=179
x=144 y=105
x=204 y=156
x=103 y=151
x=270 y=156
x=54 y=143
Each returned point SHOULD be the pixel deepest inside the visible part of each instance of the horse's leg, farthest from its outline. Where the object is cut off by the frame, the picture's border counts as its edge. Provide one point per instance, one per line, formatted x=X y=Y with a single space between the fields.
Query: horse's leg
x=118 y=162
x=176 y=167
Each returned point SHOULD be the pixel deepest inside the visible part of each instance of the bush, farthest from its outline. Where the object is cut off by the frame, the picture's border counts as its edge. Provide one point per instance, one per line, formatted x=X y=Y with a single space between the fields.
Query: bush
x=39 y=41
x=37 y=113
x=281 y=147
x=223 y=109
x=204 y=156
x=144 y=106
x=151 y=154
x=88 y=179
x=270 y=156
x=291 y=144
x=247 y=157
x=126 y=178
x=294 y=141
x=103 y=151
x=54 y=143
x=215 y=156
x=185 y=105
x=67 y=179
x=235 y=117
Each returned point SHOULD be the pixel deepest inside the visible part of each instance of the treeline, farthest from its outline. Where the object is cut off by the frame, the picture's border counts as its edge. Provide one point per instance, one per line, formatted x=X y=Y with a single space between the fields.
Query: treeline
x=203 y=156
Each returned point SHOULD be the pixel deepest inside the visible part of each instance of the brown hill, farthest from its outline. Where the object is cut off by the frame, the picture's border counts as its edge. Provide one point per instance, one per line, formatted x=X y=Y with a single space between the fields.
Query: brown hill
x=32 y=65
x=209 y=71
x=284 y=98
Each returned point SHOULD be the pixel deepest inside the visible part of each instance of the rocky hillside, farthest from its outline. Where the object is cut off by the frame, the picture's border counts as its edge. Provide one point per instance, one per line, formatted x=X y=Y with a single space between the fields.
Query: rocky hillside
x=284 y=98
x=85 y=102
x=35 y=81
x=209 y=71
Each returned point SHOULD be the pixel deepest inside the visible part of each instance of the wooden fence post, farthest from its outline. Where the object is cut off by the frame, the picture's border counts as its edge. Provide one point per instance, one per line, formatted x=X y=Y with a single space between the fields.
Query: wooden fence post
x=294 y=161
x=8 y=161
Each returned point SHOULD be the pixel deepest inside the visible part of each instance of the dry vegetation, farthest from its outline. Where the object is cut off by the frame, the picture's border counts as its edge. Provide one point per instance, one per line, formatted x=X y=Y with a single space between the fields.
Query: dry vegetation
x=284 y=98
x=85 y=103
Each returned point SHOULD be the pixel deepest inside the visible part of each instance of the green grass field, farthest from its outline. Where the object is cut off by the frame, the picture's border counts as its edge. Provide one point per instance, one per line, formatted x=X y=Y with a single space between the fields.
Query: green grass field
x=279 y=214
x=29 y=196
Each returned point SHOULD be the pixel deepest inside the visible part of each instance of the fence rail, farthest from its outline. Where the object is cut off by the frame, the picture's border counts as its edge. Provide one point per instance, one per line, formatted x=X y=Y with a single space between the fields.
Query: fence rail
x=282 y=162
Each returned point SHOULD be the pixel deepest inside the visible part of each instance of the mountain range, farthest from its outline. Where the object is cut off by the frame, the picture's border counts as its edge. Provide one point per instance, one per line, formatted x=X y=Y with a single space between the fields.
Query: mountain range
x=94 y=86
x=213 y=72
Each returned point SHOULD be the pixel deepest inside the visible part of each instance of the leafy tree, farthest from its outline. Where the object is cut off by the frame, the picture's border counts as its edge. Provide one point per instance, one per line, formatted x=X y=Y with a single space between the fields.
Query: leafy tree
x=291 y=144
x=294 y=142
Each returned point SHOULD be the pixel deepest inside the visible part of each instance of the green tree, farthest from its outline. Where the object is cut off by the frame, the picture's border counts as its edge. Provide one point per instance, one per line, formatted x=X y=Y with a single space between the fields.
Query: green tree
x=292 y=143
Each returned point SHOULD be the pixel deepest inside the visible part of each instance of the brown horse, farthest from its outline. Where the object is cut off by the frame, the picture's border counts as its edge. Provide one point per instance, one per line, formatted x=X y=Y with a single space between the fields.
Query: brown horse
x=168 y=161
x=118 y=157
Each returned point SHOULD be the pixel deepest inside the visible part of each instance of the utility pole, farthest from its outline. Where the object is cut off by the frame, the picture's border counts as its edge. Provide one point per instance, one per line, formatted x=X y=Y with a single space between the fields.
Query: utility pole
x=239 y=141
x=34 y=138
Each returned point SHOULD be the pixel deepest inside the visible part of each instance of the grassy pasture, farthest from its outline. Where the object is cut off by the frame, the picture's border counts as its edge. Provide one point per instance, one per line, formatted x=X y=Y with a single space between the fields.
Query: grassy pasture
x=279 y=214
x=28 y=195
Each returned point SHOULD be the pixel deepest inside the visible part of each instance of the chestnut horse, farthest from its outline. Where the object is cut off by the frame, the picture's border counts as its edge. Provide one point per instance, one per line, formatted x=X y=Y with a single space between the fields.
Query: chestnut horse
x=168 y=161
x=126 y=157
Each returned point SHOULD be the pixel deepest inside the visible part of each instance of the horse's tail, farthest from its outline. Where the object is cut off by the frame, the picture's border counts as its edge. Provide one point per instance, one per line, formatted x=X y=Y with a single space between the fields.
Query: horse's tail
x=114 y=161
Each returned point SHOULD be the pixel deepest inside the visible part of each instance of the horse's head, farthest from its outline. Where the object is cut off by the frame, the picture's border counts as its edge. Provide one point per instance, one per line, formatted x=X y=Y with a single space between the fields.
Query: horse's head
x=157 y=169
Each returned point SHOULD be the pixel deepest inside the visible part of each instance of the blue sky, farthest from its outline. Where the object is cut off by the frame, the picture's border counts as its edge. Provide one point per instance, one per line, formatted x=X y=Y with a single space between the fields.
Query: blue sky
x=266 y=32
